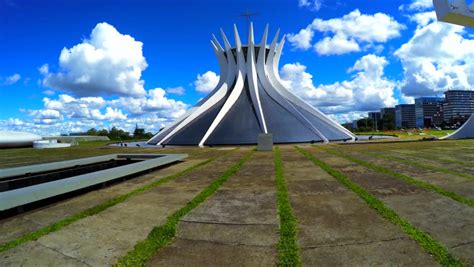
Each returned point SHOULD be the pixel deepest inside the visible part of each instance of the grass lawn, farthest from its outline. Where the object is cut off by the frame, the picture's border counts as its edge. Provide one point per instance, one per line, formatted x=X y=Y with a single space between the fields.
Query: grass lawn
x=410 y=134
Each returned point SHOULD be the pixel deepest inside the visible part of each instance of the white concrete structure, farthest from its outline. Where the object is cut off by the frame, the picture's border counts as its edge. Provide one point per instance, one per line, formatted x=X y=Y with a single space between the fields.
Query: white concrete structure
x=49 y=144
x=455 y=11
x=17 y=139
x=466 y=131
x=250 y=99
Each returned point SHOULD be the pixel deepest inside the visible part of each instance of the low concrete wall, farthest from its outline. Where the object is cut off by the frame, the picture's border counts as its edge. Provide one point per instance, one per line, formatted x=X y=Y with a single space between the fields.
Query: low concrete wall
x=82 y=138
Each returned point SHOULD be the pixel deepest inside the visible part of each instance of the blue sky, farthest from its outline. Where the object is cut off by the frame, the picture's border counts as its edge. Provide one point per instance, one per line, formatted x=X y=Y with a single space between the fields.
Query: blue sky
x=344 y=57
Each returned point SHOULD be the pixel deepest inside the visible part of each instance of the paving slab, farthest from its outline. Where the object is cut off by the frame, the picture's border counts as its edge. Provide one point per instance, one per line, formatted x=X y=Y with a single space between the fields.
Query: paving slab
x=444 y=219
x=99 y=240
x=336 y=227
x=203 y=253
x=454 y=183
x=441 y=160
x=39 y=255
x=447 y=221
x=237 y=226
x=377 y=253
x=21 y=224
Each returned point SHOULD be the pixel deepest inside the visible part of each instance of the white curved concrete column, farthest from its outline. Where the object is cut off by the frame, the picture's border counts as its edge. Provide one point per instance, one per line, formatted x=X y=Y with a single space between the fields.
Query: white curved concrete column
x=270 y=88
x=223 y=69
x=274 y=76
x=235 y=93
x=221 y=92
x=252 y=80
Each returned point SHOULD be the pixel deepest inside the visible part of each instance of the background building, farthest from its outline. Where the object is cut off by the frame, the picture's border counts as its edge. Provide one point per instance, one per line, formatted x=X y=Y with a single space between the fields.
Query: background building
x=354 y=124
x=375 y=117
x=388 y=118
x=405 y=116
x=429 y=112
x=458 y=107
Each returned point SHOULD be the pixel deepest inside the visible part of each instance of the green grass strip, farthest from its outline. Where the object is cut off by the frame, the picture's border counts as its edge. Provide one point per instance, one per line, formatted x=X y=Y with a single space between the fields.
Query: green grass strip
x=162 y=235
x=403 y=177
x=432 y=246
x=435 y=157
x=288 y=252
x=96 y=209
x=413 y=163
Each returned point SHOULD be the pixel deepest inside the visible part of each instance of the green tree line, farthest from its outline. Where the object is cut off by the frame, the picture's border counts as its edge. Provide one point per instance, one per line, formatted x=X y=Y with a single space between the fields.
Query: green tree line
x=118 y=134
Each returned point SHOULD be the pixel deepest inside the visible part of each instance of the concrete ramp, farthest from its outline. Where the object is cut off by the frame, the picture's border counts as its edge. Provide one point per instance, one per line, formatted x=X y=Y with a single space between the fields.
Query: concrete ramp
x=466 y=131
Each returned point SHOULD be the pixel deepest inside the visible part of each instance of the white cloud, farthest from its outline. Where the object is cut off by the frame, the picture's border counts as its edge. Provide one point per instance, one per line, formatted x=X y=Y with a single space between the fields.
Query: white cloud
x=15 y=122
x=417 y=5
x=206 y=82
x=103 y=74
x=66 y=113
x=336 y=45
x=438 y=57
x=45 y=116
x=49 y=92
x=48 y=114
x=313 y=5
x=348 y=32
x=111 y=114
x=348 y=117
x=379 y=27
x=422 y=19
x=154 y=101
x=176 y=90
x=12 y=79
x=367 y=90
x=108 y=63
x=44 y=69
x=302 y=39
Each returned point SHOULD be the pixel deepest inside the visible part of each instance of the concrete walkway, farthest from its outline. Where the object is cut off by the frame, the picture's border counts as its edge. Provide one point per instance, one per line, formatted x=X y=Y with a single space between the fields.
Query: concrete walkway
x=28 y=222
x=337 y=228
x=447 y=221
x=237 y=226
x=100 y=239
x=451 y=182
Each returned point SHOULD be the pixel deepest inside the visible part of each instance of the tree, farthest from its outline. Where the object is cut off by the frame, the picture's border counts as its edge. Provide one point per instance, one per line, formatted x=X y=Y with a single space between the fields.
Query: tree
x=138 y=133
x=118 y=134
x=91 y=131
x=365 y=125
x=388 y=121
x=103 y=132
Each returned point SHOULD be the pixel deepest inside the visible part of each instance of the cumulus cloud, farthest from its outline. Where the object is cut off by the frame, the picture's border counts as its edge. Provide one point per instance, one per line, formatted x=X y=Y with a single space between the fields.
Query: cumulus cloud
x=67 y=113
x=438 y=57
x=110 y=114
x=347 y=33
x=102 y=80
x=49 y=92
x=424 y=18
x=368 y=89
x=206 y=82
x=176 y=90
x=417 y=5
x=313 y=5
x=154 y=101
x=107 y=63
x=11 y=79
x=348 y=117
x=45 y=116
x=336 y=45
x=44 y=69
x=302 y=39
